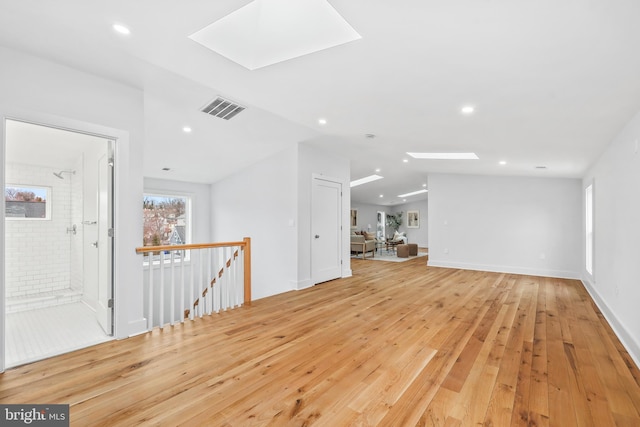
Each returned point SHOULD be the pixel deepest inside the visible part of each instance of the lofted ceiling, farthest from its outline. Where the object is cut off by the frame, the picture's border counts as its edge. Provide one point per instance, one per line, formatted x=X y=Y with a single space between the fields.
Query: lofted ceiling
x=552 y=83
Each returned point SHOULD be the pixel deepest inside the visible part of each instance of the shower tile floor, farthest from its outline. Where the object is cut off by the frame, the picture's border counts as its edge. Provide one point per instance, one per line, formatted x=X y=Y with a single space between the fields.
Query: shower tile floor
x=38 y=334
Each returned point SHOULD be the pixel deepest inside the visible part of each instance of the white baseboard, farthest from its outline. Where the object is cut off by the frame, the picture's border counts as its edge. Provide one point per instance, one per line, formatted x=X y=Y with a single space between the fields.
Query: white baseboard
x=299 y=285
x=505 y=269
x=135 y=327
x=629 y=342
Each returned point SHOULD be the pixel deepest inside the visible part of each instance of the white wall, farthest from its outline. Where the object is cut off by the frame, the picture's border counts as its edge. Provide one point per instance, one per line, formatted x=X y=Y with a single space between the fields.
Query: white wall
x=271 y=203
x=416 y=235
x=313 y=161
x=367 y=215
x=40 y=91
x=261 y=202
x=507 y=224
x=615 y=283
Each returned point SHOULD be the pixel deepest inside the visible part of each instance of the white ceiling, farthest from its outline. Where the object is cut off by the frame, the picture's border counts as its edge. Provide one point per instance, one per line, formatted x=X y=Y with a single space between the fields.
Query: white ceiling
x=552 y=83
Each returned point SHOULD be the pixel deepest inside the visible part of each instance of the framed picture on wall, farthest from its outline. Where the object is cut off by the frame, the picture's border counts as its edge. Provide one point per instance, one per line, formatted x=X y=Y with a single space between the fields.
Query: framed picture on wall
x=354 y=217
x=413 y=219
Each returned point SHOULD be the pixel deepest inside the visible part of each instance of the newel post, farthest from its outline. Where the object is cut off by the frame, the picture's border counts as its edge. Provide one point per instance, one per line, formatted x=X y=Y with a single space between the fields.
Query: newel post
x=247 y=270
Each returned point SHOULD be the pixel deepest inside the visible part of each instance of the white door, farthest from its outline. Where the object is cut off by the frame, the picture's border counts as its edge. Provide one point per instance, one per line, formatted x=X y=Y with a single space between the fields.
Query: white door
x=104 y=245
x=326 y=230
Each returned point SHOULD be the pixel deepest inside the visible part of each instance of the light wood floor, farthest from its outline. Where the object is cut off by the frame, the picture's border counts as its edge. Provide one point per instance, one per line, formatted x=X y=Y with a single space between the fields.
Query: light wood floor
x=398 y=344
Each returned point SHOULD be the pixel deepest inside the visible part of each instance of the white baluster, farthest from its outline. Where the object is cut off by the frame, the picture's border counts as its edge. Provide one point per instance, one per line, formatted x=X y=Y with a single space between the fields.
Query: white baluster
x=150 y=319
x=173 y=287
x=217 y=287
x=200 y=299
x=191 y=279
x=161 y=289
x=182 y=268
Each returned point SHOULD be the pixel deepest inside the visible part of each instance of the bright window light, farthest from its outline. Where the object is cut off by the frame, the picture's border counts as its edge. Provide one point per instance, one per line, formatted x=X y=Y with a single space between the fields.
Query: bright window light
x=365 y=180
x=413 y=193
x=444 y=156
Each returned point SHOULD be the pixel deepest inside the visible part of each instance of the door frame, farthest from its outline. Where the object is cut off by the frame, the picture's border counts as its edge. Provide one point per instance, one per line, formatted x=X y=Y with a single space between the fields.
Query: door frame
x=341 y=201
x=120 y=140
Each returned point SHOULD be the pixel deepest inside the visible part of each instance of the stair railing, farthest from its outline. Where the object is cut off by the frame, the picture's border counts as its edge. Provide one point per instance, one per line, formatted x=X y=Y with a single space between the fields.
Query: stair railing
x=188 y=281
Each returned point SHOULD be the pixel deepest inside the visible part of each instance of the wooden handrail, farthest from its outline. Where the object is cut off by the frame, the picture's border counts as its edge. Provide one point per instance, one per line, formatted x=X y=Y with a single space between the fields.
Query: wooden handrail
x=245 y=244
x=145 y=249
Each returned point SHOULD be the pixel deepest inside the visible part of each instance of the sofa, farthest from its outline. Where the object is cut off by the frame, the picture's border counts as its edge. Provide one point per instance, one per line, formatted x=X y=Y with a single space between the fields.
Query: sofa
x=360 y=245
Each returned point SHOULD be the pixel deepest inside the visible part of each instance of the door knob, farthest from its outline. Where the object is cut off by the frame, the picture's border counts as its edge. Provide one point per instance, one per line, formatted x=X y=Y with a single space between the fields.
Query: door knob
x=317 y=236
x=94 y=244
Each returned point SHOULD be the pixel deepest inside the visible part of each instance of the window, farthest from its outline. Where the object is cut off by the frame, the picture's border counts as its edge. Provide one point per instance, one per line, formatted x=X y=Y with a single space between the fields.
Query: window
x=166 y=220
x=27 y=202
x=588 y=205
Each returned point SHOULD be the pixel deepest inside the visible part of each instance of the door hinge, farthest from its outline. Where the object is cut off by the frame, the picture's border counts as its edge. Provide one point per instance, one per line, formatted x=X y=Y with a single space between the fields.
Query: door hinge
x=111 y=232
x=110 y=303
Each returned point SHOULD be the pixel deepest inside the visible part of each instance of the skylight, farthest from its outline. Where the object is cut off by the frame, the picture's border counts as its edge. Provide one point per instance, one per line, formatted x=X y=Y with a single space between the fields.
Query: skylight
x=365 y=180
x=413 y=193
x=444 y=156
x=266 y=32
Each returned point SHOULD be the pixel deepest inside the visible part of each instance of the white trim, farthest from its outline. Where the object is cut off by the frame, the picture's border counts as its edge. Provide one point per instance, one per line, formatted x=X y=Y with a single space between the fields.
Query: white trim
x=299 y=285
x=629 y=342
x=506 y=269
x=3 y=300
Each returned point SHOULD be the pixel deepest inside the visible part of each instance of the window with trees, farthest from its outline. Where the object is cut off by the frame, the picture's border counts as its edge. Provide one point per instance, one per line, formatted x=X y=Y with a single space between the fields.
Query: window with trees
x=27 y=202
x=166 y=220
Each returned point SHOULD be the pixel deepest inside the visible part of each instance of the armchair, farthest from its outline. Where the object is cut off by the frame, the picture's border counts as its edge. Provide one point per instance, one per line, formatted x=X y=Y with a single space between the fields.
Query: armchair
x=360 y=245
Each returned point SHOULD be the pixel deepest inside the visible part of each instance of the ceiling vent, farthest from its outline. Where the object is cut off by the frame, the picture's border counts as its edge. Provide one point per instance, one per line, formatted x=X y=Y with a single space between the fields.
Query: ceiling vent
x=223 y=108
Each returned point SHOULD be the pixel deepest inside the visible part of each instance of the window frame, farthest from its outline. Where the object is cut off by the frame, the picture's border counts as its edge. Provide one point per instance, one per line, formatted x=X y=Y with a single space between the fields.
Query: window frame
x=188 y=221
x=48 y=201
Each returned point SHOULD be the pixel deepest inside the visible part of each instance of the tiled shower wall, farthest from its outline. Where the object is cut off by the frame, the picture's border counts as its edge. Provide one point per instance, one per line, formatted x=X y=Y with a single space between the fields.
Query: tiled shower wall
x=38 y=253
x=77 y=256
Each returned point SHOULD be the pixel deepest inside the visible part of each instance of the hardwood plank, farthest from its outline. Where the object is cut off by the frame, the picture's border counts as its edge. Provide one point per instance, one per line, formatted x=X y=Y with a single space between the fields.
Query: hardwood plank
x=396 y=344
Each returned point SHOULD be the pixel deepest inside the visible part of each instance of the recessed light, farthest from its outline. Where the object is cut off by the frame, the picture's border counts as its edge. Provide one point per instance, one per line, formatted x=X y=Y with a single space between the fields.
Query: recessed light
x=404 y=200
x=413 y=193
x=424 y=185
x=467 y=109
x=322 y=121
x=364 y=180
x=444 y=156
x=186 y=129
x=502 y=162
x=121 y=29
x=405 y=160
x=378 y=170
x=381 y=196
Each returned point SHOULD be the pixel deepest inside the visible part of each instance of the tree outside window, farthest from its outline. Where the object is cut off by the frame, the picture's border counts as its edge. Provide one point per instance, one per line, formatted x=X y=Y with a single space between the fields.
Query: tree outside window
x=166 y=220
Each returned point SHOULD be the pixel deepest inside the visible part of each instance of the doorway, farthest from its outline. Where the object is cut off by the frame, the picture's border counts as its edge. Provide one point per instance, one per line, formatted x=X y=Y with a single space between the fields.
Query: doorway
x=58 y=247
x=381 y=226
x=326 y=227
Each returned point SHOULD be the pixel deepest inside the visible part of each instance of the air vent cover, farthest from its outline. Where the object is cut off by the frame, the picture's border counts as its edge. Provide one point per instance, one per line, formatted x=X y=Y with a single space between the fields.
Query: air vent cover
x=223 y=108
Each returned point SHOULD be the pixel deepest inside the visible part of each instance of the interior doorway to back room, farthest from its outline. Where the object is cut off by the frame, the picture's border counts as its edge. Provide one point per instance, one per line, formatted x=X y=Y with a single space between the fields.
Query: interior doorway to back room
x=58 y=244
